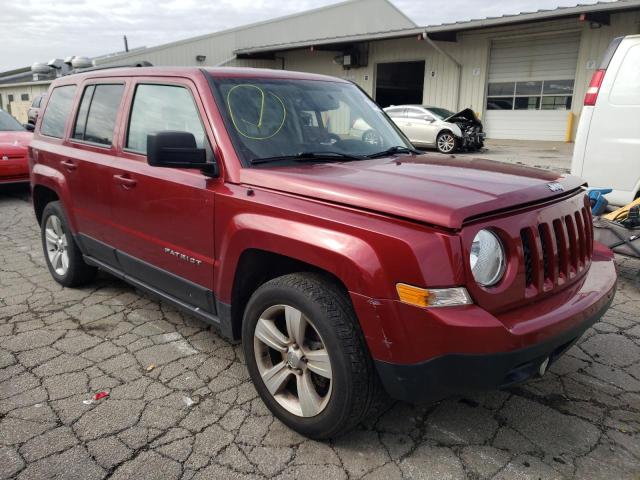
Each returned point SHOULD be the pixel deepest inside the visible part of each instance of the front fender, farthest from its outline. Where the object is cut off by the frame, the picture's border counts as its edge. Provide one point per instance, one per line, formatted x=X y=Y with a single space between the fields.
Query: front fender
x=453 y=128
x=52 y=179
x=349 y=258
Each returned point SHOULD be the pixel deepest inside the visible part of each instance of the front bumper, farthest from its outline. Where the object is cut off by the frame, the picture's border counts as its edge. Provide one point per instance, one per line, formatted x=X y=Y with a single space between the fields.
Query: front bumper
x=452 y=374
x=428 y=354
x=473 y=140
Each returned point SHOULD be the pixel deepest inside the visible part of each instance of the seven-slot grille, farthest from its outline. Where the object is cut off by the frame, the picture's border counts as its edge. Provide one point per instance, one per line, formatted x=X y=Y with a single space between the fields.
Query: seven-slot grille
x=557 y=251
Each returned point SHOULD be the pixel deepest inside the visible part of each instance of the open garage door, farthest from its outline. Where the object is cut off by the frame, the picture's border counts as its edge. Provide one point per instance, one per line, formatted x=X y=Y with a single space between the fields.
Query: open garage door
x=399 y=83
x=531 y=83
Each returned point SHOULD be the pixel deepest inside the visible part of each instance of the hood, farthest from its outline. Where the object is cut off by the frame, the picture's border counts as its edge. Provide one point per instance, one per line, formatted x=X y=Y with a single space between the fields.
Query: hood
x=14 y=140
x=466 y=115
x=442 y=191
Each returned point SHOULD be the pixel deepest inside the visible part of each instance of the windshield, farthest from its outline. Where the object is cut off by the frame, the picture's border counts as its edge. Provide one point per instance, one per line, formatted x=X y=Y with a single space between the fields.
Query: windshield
x=440 y=113
x=8 y=123
x=278 y=119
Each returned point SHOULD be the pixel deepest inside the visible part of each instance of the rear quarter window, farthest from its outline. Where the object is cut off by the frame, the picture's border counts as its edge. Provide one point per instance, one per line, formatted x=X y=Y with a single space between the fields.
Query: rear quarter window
x=626 y=86
x=58 y=110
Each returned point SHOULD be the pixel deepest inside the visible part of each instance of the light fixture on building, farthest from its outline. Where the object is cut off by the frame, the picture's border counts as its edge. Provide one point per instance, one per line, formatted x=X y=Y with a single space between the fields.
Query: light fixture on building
x=596 y=19
x=201 y=58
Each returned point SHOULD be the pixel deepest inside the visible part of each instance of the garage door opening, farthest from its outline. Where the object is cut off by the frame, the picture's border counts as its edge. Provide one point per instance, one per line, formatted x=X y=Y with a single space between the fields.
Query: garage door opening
x=399 y=83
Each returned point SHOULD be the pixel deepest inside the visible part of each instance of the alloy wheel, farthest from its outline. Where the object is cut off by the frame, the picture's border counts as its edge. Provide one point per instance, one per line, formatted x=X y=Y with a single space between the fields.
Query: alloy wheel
x=56 y=243
x=292 y=360
x=446 y=143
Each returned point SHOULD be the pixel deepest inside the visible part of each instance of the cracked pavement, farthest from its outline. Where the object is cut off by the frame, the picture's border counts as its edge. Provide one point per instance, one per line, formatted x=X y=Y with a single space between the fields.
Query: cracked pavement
x=181 y=405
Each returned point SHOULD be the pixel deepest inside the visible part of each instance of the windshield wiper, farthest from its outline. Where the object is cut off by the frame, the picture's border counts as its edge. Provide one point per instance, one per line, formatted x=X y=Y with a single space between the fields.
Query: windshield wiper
x=309 y=157
x=395 y=150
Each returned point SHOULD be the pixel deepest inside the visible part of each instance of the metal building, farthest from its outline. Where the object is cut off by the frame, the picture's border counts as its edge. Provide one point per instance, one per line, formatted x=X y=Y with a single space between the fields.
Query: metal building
x=525 y=75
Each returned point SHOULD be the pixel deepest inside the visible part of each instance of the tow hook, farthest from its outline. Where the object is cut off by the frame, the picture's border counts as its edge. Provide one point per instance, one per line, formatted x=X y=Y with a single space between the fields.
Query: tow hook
x=543 y=367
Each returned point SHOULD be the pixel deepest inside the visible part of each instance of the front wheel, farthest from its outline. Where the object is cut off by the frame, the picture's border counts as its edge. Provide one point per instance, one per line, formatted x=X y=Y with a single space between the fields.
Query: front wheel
x=447 y=142
x=307 y=357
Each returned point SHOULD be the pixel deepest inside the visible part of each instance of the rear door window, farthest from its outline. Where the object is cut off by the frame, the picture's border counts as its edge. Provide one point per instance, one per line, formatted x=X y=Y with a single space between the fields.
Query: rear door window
x=97 y=114
x=57 y=112
x=157 y=108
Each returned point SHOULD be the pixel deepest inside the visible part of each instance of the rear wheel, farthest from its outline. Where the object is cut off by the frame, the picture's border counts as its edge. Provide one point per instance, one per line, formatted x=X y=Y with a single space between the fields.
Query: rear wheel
x=446 y=142
x=307 y=357
x=61 y=253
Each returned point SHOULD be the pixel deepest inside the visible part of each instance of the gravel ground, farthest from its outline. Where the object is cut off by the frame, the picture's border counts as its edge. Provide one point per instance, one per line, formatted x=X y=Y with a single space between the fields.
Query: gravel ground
x=180 y=404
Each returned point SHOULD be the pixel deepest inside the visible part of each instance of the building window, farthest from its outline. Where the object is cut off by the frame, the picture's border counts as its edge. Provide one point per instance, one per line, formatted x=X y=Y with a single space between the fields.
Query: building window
x=530 y=95
x=24 y=97
x=9 y=97
x=526 y=103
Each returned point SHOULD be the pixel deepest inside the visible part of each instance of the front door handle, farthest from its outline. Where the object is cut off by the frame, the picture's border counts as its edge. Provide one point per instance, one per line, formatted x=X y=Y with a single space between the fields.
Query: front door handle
x=69 y=165
x=124 y=180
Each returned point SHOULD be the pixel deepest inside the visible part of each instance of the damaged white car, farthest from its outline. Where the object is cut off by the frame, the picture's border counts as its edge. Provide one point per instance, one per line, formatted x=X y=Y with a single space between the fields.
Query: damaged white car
x=447 y=131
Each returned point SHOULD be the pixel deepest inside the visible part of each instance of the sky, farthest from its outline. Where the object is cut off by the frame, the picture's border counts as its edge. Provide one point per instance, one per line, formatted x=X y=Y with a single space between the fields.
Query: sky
x=39 y=30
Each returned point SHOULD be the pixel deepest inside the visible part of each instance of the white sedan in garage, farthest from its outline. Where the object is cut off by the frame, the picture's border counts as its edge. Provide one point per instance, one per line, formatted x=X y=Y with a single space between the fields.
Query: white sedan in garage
x=438 y=127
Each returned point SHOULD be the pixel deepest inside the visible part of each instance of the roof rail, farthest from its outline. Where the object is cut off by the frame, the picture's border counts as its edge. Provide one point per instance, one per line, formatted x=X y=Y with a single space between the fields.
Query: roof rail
x=143 y=63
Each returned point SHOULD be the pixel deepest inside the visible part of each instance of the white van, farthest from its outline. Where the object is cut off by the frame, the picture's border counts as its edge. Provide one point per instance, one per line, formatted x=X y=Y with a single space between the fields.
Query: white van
x=607 y=149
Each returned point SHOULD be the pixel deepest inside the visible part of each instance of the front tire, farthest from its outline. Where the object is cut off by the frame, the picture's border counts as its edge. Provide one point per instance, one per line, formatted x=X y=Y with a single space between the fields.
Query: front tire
x=307 y=357
x=61 y=253
x=446 y=142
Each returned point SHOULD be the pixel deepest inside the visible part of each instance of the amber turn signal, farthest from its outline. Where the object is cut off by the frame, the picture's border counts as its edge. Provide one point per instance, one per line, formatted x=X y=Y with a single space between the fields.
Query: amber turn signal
x=440 y=297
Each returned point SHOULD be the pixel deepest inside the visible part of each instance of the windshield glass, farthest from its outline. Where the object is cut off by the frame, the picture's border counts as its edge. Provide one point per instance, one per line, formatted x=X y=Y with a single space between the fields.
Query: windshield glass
x=8 y=123
x=440 y=113
x=276 y=118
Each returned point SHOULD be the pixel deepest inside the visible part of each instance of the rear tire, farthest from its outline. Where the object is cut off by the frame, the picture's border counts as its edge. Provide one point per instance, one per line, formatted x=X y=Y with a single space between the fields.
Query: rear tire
x=342 y=388
x=63 y=257
x=447 y=142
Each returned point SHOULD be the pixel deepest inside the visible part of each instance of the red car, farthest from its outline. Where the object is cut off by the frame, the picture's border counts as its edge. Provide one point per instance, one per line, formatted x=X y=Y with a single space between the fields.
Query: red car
x=14 y=139
x=345 y=266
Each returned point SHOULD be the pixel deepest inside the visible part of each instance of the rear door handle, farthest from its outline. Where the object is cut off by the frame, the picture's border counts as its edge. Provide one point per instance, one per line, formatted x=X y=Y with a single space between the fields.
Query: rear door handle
x=69 y=165
x=125 y=181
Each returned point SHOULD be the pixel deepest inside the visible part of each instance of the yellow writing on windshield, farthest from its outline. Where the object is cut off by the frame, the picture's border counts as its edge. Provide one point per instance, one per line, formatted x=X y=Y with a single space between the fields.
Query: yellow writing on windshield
x=254 y=113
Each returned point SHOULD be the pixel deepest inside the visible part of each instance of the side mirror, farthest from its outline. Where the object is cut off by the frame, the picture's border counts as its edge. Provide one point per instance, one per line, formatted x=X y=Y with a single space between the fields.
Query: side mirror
x=177 y=150
x=29 y=127
x=428 y=119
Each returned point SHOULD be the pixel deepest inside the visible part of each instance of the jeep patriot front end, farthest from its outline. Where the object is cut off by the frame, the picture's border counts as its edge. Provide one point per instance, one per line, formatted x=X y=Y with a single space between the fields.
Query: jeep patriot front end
x=346 y=261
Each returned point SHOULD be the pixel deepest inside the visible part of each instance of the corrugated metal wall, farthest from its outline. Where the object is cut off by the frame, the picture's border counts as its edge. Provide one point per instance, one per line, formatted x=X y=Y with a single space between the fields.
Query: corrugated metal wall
x=445 y=84
x=472 y=50
x=363 y=16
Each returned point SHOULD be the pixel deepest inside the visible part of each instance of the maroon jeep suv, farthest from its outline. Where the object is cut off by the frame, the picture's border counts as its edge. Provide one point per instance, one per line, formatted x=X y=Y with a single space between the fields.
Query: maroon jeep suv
x=347 y=262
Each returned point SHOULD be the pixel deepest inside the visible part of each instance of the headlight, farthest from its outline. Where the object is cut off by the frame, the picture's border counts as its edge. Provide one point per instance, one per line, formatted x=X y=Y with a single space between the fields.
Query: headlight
x=487 y=258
